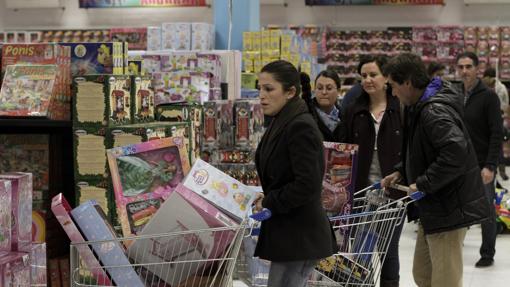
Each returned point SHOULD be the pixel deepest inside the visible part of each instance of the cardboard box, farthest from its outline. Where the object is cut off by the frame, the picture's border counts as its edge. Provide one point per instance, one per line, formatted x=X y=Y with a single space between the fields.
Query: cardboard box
x=181 y=86
x=227 y=193
x=202 y=36
x=218 y=121
x=5 y=216
x=255 y=41
x=38 y=226
x=61 y=209
x=96 y=58
x=94 y=226
x=38 y=265
x=176 y=36
x=153 y=38
x=119 y=100
x=21 y=207
x=95 y=188
x=14 y=269
x=135 y=37
x=249 y=123
x=142 y=99
x=247 y=41
x=90 y=103
x=184 y=210
x=265 y=40
x=89 y=151
x=143 y=176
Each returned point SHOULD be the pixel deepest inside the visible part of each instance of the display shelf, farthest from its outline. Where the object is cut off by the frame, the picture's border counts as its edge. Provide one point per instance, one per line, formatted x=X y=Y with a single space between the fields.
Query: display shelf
x=29 y=125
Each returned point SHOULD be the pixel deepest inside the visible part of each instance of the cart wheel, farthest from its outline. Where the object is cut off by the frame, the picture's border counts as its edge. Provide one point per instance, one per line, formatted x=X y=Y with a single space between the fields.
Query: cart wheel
x=501 y=227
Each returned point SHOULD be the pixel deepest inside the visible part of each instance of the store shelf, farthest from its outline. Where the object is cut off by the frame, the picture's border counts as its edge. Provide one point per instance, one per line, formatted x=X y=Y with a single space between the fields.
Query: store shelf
x=33 y=125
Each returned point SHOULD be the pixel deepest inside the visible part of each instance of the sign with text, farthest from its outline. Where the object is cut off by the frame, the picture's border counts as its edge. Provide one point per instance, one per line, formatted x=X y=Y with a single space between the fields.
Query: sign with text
x=373 y=2
x=139 y=3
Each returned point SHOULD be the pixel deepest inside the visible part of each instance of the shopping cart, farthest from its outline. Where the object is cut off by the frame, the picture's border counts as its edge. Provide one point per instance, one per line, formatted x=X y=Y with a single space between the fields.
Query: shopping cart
x=363 y=238
x=187 y=258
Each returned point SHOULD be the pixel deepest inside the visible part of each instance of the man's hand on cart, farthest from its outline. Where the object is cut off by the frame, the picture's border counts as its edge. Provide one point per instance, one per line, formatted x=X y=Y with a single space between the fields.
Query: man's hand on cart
x=391 y=179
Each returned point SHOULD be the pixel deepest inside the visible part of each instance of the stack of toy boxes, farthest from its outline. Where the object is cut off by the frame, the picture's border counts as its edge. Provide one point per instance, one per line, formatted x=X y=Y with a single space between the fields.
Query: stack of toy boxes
x=98 y=58
x=17 y=253
x=45 y=54
x=181 y=36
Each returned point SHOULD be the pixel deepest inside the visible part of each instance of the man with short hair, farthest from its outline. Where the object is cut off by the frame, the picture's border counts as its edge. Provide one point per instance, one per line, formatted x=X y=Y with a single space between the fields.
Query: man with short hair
x=439 y=160
x=482 y=116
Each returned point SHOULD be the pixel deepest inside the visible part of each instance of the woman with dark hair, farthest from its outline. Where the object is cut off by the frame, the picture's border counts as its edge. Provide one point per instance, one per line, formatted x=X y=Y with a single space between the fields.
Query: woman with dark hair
x=373 y=122
x=323 y=106
x=290 y=164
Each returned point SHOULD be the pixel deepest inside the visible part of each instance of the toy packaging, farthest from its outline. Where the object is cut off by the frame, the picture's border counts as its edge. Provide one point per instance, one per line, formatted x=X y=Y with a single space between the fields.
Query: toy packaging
x=151 y=64
x=119 y=99
x=5 y=216
x=93 y=224
x=14 y=269
x=93 y=188
x=38 y=264
x=61 y=209
x=179 y=61
x=96 y=58
x=38 y=226
x=89 y=151
x=249 y=123
x=220 y=189
x=218 y=120
x=27 y=90
x=89 y=100
x=182 y=211
x=181 y=86
x=176 y=36
x=202 y=36
x=143 y=176
x=153 y=38
x=21 y=207
x=142 y=99
x=135 y=37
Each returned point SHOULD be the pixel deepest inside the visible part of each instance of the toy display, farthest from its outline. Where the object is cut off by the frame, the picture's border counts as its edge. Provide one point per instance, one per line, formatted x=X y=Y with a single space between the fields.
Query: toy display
x=153 y=38
x=176 y=36
x=15 y=269
x=96 y=58
x=143 y=176
x=89 y=151
x=142 y=99
x=5 y=215
x=119 y=99
x=135 y=37
x=202 y=36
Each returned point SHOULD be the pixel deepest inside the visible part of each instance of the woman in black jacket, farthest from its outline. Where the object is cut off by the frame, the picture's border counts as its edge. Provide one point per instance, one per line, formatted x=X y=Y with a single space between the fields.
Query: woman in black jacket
x=323 y=106
x=290 y=164
x=373 y=122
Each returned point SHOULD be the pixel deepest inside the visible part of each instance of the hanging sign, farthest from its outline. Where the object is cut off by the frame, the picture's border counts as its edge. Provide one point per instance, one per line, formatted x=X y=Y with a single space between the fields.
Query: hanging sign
x=139 y=3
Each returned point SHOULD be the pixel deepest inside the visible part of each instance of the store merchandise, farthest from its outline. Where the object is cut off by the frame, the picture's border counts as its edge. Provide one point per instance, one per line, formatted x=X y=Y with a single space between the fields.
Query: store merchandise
x=89 y=151
x=143 y=176
x=21 y=206
x=74 y=36
x=227 y=193
x=249 y=123
x=93 y=224
x=218 y=122
x=14 y=269
x=153 y=38
x=119 y=99
x=176 y=36
x=202 y=36
x=135 y=37
x=62 y=211
x=94 y=188
x=38 y=226
x=181 y=86
x=38 y=265
x=5 y=215
x=142 y=99
x=184 y=210
x=96 y=58
x=90 y=101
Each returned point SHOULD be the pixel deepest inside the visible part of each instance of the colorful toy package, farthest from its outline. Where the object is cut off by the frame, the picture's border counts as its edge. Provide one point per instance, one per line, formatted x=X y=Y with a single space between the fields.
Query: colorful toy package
x=119 y=100
x=218 y=121
x=21 y=206
x=181 y=86
x=142 y=99
x=135 y=37
x=5 y=215
x=143 y=176
x=89 y=151
x=176 y=36
x=220 y=189
x=96 y=58
x=182 y=211
x=93 y=224
x=153 y=38
x=28 y=90
x=38 y=264
x=249 y=123
x=202 y=36
x=14 y=269
x=89 y=100
x=61 y=209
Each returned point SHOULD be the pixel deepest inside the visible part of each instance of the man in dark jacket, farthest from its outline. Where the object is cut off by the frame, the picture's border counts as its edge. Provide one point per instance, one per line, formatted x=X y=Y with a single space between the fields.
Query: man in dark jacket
x=439 y=160
x=482 y=116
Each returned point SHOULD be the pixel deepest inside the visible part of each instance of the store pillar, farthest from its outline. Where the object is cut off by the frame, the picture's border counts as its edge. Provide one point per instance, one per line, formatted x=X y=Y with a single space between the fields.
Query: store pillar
x=245 y=17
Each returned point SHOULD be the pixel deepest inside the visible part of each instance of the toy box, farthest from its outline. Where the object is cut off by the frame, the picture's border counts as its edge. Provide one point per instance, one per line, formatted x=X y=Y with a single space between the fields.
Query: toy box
x=89 y=151
x=178 y=61
x=135 y=37
x=211 y=64
x=153 y=38
x=142 y=99
x=90 y=100
x=28 y=90
x=218 y=120
x=181 y=86
x=14 y=269
x=222 y=190
x=202 y=36
x=61 y=209
x=21 y=207
x=143 y=175
x=5 y=215
x=151 y=64
x=184 y=210
x=96 y=58
x=119 y=99
x=38 y=264
x=94 y=188
x=176 y=36
x=93 y=224
x=249 y=123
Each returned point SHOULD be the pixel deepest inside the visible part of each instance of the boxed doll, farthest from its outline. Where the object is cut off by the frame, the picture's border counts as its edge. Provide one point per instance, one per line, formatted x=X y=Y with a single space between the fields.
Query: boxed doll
x=249 y=123
x=14 y=269
x=21 y=210
x=28 y=90
x=119 y=99
x=182 y=254
x=218 y=121
x=227 y=193
x=93 y=224
x=176 y=36
x=61 y=209
x=142 y=99
x=96 y=58
x=5 y=215
x=143 y=176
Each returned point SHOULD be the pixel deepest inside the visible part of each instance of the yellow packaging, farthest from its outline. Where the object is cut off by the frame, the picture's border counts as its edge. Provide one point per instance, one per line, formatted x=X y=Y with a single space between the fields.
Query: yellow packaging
x=248 y=66
x=255 y=41
x=306 y=67
x=286 y=42
x=275 y=39
x=252 y=55
x=247 y=41
x=265 y=40
x=286 y=57
x=257 y=66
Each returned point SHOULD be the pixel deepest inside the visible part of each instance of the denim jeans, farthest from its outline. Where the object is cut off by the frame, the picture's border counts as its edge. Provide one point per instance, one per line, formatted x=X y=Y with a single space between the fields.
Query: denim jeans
x=489 y=227
x=290 y=273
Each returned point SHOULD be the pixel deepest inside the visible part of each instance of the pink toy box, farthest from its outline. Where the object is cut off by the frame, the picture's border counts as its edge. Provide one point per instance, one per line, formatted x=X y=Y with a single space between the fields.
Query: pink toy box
x=21 y=204
x=143 y=176
x=184 y=210
x=5 y=215
x=14 y=269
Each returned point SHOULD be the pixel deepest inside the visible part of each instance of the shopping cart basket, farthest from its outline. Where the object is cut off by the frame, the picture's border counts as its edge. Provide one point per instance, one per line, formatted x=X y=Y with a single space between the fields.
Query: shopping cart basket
x=363 y=238
x=176 y=259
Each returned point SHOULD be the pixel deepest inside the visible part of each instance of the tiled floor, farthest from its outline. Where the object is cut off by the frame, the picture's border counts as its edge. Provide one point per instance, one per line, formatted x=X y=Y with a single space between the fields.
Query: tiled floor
x=497 y=275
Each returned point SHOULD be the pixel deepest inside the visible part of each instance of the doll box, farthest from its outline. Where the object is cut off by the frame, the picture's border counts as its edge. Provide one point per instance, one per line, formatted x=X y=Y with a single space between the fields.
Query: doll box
x=143 y=176
x=92 y=222
x=225 y=192
x=89 y=151
x=89 y=100
x=119 y=99
x=142 y=99
x=183 y=211
x=176 y=36
x=5 y=215
x=14 y=269
x=38 y=264
x=21 y=207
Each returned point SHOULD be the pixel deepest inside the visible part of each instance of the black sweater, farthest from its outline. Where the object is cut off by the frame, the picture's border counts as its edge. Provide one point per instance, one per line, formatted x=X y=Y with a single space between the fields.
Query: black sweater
x=482 y=116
